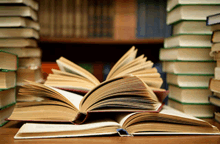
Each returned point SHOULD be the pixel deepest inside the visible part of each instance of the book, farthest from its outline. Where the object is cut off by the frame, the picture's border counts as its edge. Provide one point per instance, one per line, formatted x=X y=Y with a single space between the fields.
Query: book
x=197 y=110
x=217 y=116
x=184 y=67
x=189 y=95
x=70 y=73
x=23 y=11
x=185 y=54
x=191 y=41
x=214 y=85
x=9 y=22
x=8 y=61
x=172 y=4
x=15 y=42
x=7 y=79
x=188 y=81
x=29 y=62
x=215 y=37
x=213 y=19
x=191 y=12
x=31 y=3
x=7 y=97
x=191 y=27
x=122 y=94
x=33 y=74
x=215 y=100
x=217 y=73
x=167 y=122
x=19 y=33
x=214 y=50
x=24 y=52
x=5 y=113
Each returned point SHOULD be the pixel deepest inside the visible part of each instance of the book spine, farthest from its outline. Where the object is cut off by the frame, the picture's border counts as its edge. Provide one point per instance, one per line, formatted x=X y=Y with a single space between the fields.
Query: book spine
x=104 y=18
x=91 y=10
x=141 y=16
x=98 y=19
x=52 y=15
x=41 y=17
x=56 y=18
x=73 y=26
x=85 y=18
x=77 y=18
x=64 y=18
x=111 y=18
x=95 y=19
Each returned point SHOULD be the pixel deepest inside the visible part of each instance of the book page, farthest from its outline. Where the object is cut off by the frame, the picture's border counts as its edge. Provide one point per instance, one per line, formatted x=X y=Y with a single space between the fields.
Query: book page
x=72 y=97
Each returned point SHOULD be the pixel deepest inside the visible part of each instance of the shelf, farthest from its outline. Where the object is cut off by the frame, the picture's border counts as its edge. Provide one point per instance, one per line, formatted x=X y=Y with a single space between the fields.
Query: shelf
x=101 y=40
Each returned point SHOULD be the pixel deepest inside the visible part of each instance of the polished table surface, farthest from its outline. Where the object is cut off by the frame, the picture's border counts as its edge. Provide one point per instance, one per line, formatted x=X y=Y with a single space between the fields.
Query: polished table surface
x=8 y=131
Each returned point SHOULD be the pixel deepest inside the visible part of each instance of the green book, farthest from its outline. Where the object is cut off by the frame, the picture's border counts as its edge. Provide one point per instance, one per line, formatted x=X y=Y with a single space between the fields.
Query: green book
x=8 y=61
x=185 y=54
x=196 y=110
x=188 y=41
x=189 y=67
x=191 y=13
x=5 y=113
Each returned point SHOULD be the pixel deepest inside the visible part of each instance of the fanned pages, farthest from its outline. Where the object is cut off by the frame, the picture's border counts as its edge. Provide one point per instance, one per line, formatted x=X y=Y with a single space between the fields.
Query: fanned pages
x=121 y=94
x=79 y=80
x=169 y=121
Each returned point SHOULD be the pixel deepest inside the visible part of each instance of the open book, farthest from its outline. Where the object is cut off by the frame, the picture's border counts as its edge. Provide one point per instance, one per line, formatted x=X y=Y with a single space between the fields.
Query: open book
x=121 y=94
x=74 y=78
x=168 y=121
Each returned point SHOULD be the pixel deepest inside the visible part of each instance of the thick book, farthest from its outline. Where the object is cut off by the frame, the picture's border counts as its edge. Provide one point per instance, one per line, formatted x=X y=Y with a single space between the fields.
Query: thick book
x=172 y=4
x=29 y=62
x=23 y=11
x=189 y=95
x=168 y=122
x=190 y=67
x=199 y=110
x=198 y=41
x=24 y=52
x=7 y=79
x=217 y=72
x=31 y=3
x=217 y=116
x=188 y=81
x=191 y=27
x=15 y=42
x=7 y=97
x=5 y=113
x=9 y=22
x=215 y=50
x=8 y=61
x=215 y=100
x=214 y=85
x=31 y=73
x=70 y=74
x=19 y=33
x=213 y=19
x=191 y=12
x=121 y=94
x=215 y=37
x=185 y=54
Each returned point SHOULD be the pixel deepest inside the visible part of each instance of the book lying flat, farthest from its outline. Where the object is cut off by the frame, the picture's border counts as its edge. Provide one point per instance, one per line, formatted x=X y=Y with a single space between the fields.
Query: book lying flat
x=74 y=78
x=29 y=62
x=191 y=27
x=190 y=95
x=7 y=97
x=187 y=81
x=192 y=67
x=191 y=12
x=169 y=121
x=8 y=61
x=23 y=11
x=19 y=33
x=22 y=42
x=33 y=4
x=7 y=79
x=185 y=54
x=190 y=41
x=214 y=100
x=5 y=113
x=122 y=94
x=213 y=19
x=172 y=4
x=199 y=110
x=9 y=22
x=215 y=36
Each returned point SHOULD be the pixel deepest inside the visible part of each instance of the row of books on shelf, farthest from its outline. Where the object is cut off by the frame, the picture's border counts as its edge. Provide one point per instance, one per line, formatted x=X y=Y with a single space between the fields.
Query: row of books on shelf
x=76 y=18
x=186 y=58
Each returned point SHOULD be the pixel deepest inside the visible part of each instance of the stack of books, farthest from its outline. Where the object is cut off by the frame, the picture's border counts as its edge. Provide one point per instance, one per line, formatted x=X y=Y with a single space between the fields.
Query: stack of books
x=8 y=68
x=213 y=22
x=186 y=57
x=19 y=34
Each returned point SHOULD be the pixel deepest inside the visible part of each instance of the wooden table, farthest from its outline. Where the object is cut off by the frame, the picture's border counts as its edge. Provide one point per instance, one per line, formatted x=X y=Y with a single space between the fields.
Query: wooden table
x=8 y=131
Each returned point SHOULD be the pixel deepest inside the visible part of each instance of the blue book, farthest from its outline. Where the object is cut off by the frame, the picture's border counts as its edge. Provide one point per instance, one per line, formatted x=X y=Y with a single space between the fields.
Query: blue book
x=141 y=19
